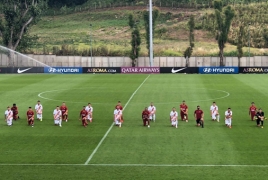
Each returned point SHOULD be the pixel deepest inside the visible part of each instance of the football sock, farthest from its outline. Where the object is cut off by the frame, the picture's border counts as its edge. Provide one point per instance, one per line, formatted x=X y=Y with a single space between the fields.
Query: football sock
x=60 y=122
x=261 y=123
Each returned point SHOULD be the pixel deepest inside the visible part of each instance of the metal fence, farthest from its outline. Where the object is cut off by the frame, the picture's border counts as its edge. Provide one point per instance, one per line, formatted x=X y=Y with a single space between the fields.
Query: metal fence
x=81 y=61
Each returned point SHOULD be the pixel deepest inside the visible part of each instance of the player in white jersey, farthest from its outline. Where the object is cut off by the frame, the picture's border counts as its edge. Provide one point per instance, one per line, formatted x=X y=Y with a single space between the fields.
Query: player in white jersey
x=228 y=118
x=152 y=110
x=9 y=116
x=39 y=110
x=57 y=116
x=118 y=116
x=89 y=110
x=174 y=117
x=214 y=112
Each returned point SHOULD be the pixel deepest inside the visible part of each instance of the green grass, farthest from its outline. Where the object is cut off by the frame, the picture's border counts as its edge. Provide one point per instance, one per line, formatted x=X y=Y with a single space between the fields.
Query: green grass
x=134 y=151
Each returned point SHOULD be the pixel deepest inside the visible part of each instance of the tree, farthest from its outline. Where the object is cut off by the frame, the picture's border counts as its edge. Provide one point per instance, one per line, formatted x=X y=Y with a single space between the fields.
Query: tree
x=147 y=23
x=240 y=41
x=135 y=40
x=189 y=50
x=19 y=16
x=224 y=18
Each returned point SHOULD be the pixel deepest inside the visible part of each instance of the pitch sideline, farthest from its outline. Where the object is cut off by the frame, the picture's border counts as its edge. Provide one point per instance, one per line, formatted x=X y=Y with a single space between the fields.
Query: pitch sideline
x=105 y=135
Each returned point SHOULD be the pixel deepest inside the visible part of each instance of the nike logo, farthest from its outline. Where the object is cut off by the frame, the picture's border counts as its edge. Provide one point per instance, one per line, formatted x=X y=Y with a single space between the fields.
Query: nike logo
x=175 y=71
x=21 y=71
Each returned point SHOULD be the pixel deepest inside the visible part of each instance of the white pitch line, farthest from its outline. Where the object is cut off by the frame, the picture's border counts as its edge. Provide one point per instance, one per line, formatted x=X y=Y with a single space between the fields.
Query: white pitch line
x=146 y=165
x=105 y=135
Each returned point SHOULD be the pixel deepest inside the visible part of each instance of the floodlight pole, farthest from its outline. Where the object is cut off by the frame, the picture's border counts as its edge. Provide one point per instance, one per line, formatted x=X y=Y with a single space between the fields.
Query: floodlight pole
x=90 y=29
x=151 y=32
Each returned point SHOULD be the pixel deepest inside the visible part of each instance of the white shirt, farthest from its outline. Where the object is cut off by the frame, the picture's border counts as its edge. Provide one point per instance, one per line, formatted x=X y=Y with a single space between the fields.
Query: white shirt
x=173 y=114
x=57 y=114
x=228 y=113
x=151 y=109
x=89 y=109
x=39 y=108
x=8 y=114
x=117 y=112
x=214 y=108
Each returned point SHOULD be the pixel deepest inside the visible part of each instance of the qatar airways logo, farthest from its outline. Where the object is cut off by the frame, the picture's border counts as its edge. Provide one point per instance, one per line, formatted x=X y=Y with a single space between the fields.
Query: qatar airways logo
x=140 y=70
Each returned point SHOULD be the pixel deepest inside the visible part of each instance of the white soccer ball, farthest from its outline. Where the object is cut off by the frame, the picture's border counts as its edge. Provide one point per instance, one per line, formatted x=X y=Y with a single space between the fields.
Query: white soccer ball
x=93 y=73
x=184 y=73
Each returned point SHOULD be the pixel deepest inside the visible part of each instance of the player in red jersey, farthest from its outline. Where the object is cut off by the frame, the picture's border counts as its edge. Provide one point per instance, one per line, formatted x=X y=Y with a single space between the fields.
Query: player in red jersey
x=184 y=111
x=145 y=117
x=199 y=117
x=15 y=111
x=252 y=111
x=64 y=112
x=83 y=116
x=30 y=117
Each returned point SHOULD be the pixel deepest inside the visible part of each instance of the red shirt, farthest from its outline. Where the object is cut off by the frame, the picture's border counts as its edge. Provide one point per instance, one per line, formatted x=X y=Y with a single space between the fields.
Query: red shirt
x=63 y=109
x=252 y=109
x=183 y=107
x=14 y=109
x=198 y=113
x=145 y=114
x=83 y=113
x=30 y=113
x=120 y=107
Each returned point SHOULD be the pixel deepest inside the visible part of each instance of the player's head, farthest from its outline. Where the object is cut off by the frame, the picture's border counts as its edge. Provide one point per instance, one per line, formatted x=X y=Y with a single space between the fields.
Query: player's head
x=30 y=107
x=152 y=103
x=84 y=107
x=252 y=103
x=229 y=109
x=198 y=107
x=173 y=109
x=38 y=102
x=117 y=107
x=89 y=104
x=214 y=103
x=8 y=108
x=145 y=108
x=183 y=102
x=57 y=107
x=260 y=110
x=119 y=102
x=14 y=105
x=63 y=103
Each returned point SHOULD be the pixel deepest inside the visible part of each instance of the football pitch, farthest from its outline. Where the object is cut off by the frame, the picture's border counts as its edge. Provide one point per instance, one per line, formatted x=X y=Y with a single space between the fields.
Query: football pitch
x=104 y=151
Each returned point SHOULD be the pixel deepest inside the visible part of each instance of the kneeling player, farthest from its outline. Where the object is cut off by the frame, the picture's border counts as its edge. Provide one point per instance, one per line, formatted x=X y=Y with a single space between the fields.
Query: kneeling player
x=145 y=117
x=89 y=110
x=174 y=117
x=57 y=116
x=260 y=117
x=117 y=116
x=83 y=116
x=15 y=111
x=64 y=112
x=9 y=116
x=199 y=117
x=30 y=117
x=228 y=118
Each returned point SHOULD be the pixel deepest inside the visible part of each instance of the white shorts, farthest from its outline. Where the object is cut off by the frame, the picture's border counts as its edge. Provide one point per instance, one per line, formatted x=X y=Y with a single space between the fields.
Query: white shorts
x=214 y=115
x=9 y=121
x=89 y=117
x=174 y=123
x=151 y=116
x=56 y=121
x=39 y=116
x=228 y=121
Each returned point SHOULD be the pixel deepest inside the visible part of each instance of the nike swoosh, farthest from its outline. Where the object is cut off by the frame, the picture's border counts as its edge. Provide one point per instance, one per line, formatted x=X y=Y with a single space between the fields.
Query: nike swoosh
x=175 y=71
x=21 y=71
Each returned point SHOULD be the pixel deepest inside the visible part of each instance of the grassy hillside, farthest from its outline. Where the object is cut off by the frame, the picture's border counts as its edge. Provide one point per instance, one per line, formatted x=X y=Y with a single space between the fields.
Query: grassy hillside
x=70 y=33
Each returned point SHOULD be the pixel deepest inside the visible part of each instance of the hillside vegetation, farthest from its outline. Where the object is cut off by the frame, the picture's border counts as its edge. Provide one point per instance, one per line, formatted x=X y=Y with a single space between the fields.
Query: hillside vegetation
x=70 y=33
